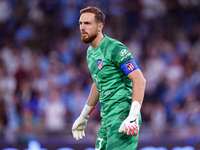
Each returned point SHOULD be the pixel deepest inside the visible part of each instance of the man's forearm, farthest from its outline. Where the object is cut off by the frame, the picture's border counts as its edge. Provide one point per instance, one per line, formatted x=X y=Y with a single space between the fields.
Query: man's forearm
x=81 y=122
x=138 y=91
x=93 y=98
x=139 y=84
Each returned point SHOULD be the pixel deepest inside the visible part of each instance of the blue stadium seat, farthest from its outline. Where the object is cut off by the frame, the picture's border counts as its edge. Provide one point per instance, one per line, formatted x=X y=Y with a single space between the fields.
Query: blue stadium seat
x=153 y=148
x=34 y=145
x=184 y=148
x=90 y=148
x=65 y=148
x=10 y=149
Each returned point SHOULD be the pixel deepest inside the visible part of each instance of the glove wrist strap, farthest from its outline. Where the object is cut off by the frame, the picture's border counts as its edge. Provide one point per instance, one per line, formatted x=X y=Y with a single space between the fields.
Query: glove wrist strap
x=87 y=110
x=135 y=109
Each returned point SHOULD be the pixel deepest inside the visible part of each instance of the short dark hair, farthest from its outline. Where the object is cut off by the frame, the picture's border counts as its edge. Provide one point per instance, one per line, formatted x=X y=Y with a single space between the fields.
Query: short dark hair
x=99 y=15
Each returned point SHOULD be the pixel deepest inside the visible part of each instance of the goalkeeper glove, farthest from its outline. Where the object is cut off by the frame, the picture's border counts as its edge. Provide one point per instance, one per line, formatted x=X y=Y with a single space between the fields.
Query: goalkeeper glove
x=81 y=122
x=130 y=125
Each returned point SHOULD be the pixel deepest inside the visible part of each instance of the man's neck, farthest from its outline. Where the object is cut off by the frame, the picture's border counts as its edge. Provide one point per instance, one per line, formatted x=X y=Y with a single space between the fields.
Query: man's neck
x=95 y=43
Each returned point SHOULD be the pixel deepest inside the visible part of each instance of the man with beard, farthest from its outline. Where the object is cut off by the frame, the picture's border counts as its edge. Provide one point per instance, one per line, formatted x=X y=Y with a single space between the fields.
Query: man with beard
x=118 y=85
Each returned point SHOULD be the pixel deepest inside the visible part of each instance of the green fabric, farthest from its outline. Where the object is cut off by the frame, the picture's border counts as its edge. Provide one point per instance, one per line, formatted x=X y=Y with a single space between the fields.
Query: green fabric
x=114 y=87
x=110 y=139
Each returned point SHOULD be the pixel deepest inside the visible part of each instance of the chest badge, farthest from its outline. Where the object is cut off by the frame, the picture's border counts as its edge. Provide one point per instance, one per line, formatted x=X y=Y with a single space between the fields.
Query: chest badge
x=99 y=64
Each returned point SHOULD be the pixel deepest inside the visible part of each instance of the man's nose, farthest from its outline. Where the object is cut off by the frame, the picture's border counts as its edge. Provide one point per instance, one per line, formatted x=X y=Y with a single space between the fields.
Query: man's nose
x=82 y=27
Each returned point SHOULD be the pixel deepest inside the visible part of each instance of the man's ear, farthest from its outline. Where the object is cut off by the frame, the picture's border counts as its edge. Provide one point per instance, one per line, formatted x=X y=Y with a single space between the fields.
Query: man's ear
x=100 y=27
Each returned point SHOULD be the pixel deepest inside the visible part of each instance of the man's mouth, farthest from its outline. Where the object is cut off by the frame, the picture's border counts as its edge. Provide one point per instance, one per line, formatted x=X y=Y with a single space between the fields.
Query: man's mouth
x=83 y=33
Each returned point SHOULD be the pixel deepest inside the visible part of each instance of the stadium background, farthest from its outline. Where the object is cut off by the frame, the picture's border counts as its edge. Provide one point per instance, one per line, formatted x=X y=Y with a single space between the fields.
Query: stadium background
x=44 y=79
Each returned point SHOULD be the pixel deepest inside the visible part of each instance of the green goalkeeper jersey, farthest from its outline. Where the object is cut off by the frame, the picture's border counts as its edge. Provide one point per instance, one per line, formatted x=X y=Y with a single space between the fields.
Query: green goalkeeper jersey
x=109 y=65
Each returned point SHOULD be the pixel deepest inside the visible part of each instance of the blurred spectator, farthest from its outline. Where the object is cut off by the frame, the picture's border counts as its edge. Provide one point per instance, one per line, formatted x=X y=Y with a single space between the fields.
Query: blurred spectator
x=3 y=117
x=5 y=11
x=153 y=9
x=158 y=120
x=54 y=113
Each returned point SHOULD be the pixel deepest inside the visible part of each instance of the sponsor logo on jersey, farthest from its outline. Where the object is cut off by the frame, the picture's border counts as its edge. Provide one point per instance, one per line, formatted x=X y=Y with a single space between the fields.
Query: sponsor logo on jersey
x=123 y=52
x=126 y=56
x=99 y=64
x=107 y=93
x=97 y=82
x=129 y=65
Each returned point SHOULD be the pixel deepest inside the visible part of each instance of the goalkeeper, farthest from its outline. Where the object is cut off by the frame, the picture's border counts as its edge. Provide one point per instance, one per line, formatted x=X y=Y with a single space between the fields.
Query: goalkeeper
x=118 y=85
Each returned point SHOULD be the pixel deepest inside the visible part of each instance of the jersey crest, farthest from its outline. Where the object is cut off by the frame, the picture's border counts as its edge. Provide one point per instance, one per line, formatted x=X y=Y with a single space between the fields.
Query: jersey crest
x=99 y=64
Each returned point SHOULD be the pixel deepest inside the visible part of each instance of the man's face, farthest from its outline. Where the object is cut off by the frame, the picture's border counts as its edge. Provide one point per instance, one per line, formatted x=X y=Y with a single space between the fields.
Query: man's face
x=88 y=27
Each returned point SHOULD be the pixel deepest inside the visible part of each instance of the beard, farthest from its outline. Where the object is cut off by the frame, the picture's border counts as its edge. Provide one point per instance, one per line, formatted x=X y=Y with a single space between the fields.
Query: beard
x=89 y=38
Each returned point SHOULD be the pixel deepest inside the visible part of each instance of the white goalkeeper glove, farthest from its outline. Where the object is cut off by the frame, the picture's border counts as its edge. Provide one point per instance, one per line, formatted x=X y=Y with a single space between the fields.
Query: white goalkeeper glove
x=81 y=122
x=130 y=125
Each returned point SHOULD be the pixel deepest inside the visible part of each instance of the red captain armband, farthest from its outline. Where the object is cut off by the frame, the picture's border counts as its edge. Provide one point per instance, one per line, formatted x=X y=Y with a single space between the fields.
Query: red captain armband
x=92 y=110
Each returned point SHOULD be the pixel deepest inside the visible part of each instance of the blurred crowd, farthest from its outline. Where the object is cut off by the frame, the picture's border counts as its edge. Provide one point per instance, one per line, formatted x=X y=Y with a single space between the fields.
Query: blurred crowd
x=45 y=82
